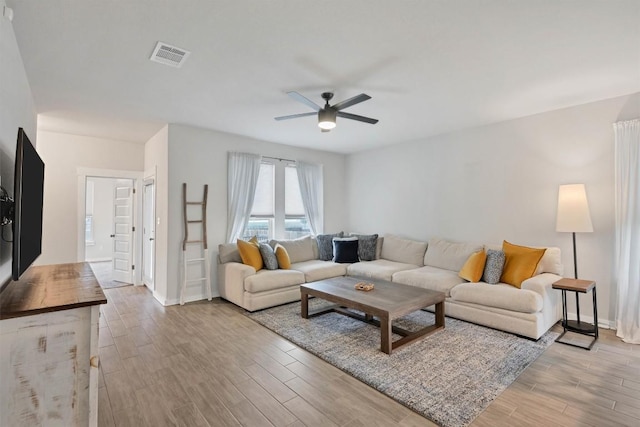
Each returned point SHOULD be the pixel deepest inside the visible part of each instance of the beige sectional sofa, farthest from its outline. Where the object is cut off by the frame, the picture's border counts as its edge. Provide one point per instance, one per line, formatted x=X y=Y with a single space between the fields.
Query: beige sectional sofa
x=529 y=311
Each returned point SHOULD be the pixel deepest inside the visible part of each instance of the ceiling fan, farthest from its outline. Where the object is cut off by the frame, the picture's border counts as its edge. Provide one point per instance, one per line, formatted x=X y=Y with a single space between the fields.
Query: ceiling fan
x=327 y=114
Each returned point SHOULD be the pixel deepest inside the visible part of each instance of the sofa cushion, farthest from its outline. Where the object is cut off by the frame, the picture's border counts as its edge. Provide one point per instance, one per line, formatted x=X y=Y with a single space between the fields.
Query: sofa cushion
x=266 y=280
x=474 y=266
x=299 y=249
x=345 y=249
x=228 y=252
x=378 y=269
x=284 y=262
x=325 y=245
x=551 y=262
x=521 y=263
x=500 y=296
x=268 y=257
x=367 y=244
x=493 y=266
x=319 y=270
x=449 y=255
x=250 y=253
x=434 y=278
x=403 y=251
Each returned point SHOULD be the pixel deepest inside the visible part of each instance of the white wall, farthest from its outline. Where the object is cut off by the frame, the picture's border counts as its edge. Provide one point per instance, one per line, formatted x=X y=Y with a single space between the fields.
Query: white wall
x=197 y=157
x=156 y=164
x=63 y=154
x=500 y=182
x=103 y=200
x=16 y=110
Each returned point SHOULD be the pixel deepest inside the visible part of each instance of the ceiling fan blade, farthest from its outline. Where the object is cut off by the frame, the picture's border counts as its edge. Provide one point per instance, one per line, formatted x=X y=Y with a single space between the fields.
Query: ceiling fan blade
x=306 y=101
x=295 y=116
x=351 y=101
x=357 y=117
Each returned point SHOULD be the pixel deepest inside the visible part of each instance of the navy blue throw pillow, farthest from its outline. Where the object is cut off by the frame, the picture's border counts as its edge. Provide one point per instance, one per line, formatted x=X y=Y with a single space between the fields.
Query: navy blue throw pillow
x=345 y=251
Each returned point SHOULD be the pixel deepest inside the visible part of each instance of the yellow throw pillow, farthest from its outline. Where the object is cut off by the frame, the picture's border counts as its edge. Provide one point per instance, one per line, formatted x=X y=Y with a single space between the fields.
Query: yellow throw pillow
x=520 y=263
x=250 y=253
x=284 y=262
x=474 y=267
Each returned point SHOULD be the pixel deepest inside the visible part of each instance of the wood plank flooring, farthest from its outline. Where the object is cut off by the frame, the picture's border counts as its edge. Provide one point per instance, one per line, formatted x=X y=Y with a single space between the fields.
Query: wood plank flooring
x=206 y=364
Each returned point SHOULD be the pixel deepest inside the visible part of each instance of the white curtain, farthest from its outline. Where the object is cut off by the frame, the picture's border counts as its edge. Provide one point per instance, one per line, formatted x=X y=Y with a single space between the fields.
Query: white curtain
x=242 y=176
x=311 y=190
x=627 y=199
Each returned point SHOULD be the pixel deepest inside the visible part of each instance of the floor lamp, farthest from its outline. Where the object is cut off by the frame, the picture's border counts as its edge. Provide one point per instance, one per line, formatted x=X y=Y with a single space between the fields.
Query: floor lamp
x=573 y=215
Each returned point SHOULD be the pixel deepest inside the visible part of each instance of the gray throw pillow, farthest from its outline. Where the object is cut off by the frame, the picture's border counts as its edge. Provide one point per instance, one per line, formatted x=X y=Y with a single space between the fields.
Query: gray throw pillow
x=268 y=257
x=367 y=246
x=493 y=267
x=325 y=245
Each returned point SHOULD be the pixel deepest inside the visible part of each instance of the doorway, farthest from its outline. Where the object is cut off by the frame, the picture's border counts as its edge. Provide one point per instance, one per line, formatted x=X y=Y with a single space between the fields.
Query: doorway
x=148 y=233
x=109 y=229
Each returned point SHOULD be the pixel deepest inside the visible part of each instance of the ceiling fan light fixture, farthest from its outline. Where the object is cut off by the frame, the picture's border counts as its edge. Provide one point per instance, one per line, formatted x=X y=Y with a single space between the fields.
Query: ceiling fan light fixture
x=326 y=119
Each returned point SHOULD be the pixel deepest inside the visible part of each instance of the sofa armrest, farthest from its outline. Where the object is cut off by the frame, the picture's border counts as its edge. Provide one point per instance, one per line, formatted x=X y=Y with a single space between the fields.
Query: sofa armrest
x=231 y=276
x=542 y=284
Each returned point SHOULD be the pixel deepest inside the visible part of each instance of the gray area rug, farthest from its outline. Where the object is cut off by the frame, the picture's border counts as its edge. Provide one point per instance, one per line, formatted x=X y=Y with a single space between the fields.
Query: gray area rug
x=449 y=377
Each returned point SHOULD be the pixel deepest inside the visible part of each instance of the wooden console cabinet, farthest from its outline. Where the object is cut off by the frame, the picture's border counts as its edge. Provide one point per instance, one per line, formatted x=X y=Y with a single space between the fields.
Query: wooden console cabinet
x=49 y=322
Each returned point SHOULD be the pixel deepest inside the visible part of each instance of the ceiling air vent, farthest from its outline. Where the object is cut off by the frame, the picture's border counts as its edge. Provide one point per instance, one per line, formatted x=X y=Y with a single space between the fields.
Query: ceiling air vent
x=169 y=55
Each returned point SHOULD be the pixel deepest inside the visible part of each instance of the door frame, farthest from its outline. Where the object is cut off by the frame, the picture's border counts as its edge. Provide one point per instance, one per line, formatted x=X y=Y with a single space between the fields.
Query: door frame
x=148 y=180
x=137 y=177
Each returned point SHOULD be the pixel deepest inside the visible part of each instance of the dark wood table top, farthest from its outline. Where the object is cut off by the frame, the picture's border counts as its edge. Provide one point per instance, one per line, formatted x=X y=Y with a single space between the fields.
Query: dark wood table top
x=575 y=285
x=48 y=288
x=393 y=298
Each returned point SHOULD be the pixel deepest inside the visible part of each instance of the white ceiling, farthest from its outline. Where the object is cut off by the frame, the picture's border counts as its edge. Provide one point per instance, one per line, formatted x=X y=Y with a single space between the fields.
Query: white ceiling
x=431 y=66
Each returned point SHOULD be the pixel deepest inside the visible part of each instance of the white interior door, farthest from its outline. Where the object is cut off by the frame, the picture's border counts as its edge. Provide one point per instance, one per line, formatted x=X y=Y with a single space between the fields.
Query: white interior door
x=148 y=234
x=122 y=267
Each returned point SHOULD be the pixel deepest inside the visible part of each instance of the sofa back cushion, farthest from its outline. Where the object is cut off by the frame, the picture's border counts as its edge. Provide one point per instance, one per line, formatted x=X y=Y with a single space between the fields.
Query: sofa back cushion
x=228 y=252
x=402 y=250
x=551 y=262
x=299 y=250
x=449 y=255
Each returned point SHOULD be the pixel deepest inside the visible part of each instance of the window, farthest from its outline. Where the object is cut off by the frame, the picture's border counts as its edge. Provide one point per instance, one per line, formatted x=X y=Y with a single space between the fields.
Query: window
x=277 y=211
x=295 y=221
x=263 y=213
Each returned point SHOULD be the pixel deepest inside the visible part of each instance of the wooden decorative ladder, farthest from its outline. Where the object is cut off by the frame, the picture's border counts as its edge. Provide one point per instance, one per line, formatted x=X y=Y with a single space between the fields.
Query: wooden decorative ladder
x=206 y=263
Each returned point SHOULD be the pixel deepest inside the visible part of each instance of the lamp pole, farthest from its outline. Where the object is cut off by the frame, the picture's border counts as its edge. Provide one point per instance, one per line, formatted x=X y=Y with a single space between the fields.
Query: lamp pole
x=575 y=258
x=575 y=275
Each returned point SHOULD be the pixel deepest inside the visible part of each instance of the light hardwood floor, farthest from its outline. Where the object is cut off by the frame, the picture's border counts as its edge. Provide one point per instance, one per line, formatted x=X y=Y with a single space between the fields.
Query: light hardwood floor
x=206 y=364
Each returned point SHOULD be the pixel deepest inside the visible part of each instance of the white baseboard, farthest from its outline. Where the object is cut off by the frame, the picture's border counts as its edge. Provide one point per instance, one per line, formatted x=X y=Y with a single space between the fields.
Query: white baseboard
x=602 y=323
x=189 y=298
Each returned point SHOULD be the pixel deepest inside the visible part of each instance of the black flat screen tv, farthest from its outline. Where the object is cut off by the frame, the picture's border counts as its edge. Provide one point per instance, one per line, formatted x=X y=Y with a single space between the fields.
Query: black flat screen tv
x=28 y=196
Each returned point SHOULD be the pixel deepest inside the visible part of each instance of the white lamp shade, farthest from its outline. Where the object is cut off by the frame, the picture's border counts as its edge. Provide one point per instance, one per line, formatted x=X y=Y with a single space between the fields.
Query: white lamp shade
x=573 y=210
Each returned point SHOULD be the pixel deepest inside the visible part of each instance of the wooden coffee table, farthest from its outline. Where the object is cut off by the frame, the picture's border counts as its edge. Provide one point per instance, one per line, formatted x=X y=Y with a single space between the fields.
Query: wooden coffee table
x=386 y=302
